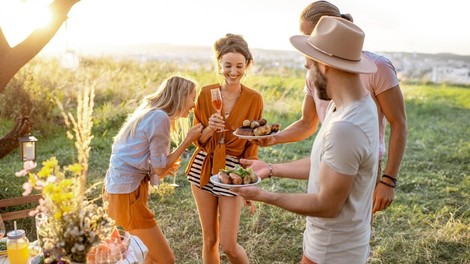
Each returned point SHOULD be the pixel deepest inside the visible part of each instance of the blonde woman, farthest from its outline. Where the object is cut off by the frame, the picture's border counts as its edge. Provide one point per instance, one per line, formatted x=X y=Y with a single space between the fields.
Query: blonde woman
x=141 y=154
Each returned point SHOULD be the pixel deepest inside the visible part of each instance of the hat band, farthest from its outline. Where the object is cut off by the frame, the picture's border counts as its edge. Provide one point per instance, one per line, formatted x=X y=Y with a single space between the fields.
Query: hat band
x=329 y=54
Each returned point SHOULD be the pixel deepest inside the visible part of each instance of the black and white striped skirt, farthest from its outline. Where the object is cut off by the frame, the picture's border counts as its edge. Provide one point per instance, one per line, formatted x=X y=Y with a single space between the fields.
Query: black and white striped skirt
x=194 y=175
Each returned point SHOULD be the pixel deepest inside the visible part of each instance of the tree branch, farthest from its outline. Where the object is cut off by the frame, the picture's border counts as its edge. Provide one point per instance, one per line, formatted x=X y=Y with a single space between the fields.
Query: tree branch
x=12 y=59
x=10 y=141
x=4 y=46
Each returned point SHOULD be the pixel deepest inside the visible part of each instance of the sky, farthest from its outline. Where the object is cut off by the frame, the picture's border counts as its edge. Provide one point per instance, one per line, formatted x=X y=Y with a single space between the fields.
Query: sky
x=390 y=26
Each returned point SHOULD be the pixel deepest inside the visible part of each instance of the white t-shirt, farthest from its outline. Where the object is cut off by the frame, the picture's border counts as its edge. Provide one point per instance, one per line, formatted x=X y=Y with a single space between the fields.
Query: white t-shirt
x=385 y=78
x=348 y=143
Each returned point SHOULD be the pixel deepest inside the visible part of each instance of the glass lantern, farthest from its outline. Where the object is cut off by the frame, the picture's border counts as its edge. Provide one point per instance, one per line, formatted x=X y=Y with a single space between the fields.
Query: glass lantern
x=27 y=148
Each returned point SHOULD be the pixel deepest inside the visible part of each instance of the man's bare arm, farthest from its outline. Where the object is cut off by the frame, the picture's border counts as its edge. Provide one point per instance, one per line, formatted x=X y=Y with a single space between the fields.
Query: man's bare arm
x=334 y=191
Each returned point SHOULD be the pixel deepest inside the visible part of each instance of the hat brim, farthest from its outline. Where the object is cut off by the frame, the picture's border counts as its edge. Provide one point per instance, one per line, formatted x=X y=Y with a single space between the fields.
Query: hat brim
x=365 y=65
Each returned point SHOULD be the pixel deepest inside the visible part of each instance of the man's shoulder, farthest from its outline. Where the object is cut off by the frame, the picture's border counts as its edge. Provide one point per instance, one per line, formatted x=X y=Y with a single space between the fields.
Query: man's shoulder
x=377 y=58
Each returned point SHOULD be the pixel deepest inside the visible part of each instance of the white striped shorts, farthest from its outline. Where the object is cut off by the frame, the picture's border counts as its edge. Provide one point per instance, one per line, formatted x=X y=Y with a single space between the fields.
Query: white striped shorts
x=194 y=175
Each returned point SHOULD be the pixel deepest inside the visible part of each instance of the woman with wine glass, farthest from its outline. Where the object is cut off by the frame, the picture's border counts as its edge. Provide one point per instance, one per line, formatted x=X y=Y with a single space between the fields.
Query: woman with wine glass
x=219 y=209
x=141 y=154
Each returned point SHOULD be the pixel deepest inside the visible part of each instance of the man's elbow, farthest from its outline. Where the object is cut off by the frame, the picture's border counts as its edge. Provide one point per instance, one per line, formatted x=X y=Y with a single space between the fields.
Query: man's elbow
x=400 y=128
x=327 y=212
x=332 y=213
x=309 y=124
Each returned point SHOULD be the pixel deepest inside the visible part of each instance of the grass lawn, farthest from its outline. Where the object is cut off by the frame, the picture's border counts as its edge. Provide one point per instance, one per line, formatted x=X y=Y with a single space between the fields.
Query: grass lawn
x=429 y=221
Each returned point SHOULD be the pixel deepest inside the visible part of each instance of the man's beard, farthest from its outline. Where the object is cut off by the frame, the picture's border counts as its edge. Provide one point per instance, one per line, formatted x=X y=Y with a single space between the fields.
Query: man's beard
x=321 y=82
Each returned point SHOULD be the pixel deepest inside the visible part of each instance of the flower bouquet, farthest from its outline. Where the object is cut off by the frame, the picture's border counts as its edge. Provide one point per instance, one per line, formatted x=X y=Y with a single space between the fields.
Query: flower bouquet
x=74 y=224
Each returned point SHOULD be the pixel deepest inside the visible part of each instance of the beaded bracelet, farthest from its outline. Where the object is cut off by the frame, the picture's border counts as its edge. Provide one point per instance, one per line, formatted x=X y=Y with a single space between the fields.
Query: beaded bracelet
x=270 y=170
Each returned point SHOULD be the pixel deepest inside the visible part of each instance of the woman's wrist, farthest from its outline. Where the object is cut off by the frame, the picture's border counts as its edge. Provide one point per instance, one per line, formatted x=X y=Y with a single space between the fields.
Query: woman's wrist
x=210 y=129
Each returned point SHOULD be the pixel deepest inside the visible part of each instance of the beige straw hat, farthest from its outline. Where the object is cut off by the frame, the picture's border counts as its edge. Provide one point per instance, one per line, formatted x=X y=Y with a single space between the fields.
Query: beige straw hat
x=336 y=42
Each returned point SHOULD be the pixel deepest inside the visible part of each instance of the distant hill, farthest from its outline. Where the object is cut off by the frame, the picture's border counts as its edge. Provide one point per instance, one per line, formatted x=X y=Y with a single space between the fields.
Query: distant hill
x=437 y=68
x=410 y=66
x=179 y=53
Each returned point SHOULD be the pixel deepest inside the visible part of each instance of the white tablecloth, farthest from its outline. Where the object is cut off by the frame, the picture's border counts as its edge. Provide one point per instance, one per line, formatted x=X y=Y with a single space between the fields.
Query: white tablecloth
x=136 y=253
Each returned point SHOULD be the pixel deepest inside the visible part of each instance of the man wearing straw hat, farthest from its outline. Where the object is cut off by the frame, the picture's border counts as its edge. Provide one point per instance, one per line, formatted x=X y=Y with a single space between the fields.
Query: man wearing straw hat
x=343 y=164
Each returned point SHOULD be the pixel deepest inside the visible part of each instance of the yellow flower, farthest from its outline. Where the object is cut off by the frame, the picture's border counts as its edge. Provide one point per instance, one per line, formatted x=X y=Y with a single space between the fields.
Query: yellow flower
x=68 y=196
x=50 y=163
x=75 y=168
x=58 y=215
x=56 y=197
x=66 y=208
x=66 y=183
x=48 y=189
x=32 y=179
x=45 y=172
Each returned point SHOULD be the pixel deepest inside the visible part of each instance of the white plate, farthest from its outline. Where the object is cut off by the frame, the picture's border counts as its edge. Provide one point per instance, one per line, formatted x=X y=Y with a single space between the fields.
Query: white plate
x=255 y=137
x=215 y=180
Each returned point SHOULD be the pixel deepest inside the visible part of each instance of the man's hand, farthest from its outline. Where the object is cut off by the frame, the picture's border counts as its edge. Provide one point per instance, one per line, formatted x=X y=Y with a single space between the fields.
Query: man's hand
x=265 y=142
x=249 y=193
x=260 y=168
x=383 y=197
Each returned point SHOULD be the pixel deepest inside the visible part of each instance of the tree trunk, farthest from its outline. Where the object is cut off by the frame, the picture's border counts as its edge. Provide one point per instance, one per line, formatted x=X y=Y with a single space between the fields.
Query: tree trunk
x=10 y=141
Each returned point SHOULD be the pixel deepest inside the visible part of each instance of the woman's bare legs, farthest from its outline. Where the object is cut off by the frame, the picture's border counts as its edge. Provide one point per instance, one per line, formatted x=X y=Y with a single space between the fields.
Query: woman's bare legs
x=207 y=208
x=230 y=210
x=159 y=250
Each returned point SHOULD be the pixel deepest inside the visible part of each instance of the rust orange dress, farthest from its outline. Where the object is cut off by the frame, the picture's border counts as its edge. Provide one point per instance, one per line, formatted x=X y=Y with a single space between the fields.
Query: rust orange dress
x=212 y=156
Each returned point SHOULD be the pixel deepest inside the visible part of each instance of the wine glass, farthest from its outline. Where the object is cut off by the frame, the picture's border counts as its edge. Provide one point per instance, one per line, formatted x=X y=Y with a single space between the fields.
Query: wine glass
x=217 y=102
x=174 y=184
x=2 y=228
x=40 y=219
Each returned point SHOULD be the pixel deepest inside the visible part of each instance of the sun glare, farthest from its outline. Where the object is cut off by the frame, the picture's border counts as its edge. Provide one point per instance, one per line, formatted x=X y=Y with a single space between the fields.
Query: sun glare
x=20 y=18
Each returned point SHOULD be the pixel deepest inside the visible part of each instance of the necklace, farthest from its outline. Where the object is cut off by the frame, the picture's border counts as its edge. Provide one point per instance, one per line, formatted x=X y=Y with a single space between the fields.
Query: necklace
x=232 y=98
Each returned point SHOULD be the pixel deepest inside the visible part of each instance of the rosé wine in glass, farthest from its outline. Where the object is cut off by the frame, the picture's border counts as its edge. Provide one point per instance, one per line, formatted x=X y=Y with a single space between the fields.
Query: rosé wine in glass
x=217 y=102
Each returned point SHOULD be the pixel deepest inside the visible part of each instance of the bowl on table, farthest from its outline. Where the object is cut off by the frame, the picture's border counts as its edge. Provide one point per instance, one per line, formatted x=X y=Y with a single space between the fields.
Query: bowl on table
x=112 y=249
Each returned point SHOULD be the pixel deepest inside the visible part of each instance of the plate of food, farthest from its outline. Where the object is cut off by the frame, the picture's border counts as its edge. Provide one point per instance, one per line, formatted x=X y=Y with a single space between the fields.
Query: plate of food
x=236 y=177
x=272 y=134
x=3 y=246
x=257 y=129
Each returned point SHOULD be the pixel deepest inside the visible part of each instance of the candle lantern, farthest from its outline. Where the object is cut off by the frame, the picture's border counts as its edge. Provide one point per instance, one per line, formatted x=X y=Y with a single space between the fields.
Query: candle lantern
x=27 y=148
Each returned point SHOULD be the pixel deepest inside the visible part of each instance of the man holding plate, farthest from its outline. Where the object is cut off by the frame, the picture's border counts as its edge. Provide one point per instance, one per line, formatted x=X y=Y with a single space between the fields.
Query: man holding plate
x=344 y=159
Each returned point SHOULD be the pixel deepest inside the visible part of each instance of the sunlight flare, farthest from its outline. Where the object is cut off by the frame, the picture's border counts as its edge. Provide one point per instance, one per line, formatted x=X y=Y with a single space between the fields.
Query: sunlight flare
x=19 y=18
